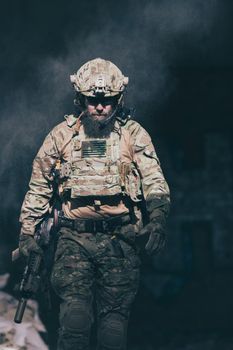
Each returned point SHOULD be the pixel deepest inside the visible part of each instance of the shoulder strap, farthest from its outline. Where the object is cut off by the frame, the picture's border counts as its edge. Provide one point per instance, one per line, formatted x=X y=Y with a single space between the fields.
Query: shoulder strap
x=70 y=119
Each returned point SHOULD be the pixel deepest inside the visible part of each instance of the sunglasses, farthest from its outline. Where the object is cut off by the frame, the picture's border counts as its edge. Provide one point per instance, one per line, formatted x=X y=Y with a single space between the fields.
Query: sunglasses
x=104 y=101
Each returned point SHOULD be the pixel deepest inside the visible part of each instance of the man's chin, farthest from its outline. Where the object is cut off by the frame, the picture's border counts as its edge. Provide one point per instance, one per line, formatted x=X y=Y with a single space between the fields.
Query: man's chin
x=94 y=125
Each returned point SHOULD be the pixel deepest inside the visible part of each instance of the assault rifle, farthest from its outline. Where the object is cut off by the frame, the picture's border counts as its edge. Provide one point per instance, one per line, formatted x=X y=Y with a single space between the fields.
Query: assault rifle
x=30 y=281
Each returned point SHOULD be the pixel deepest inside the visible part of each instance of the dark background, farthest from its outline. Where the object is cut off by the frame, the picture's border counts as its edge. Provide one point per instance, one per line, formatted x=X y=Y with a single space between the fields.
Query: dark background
x=179 y=58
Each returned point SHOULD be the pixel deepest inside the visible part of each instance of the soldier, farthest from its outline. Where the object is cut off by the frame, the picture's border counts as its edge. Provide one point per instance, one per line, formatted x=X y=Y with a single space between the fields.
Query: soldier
x=112 y=191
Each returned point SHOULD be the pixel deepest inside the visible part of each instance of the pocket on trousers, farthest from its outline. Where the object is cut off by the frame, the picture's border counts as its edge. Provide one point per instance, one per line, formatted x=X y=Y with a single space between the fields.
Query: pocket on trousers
x=130 y=254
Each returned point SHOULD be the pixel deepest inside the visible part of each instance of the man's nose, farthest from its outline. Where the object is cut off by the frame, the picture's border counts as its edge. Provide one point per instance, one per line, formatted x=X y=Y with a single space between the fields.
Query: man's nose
x=99 y=107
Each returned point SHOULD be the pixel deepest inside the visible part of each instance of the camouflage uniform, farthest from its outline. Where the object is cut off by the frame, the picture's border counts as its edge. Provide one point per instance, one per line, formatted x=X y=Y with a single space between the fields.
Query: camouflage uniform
x=103 y=263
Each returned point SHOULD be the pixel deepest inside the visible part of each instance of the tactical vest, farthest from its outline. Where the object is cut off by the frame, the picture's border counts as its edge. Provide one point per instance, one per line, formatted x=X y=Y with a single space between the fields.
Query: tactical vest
x=96 y=169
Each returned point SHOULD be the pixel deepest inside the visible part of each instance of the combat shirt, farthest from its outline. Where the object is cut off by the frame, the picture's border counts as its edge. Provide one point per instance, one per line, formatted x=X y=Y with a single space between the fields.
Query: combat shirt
x=136 y=146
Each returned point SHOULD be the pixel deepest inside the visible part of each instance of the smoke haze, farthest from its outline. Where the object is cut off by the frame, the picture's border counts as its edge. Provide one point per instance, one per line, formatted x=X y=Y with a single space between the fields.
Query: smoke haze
x=46 y=43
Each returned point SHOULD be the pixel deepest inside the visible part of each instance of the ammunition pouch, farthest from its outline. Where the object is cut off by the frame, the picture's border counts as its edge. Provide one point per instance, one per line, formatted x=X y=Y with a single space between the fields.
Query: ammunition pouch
x=131 y=181
x=125 y=180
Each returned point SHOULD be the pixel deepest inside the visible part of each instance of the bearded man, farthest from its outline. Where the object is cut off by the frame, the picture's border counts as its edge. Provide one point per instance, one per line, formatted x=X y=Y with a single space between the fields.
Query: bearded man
x=112 y=192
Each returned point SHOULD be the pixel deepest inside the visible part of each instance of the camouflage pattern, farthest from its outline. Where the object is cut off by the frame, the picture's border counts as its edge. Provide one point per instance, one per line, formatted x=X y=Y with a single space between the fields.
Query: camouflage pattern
x=136 y=147
x=96 y=168
x=95 y=173
x=112 y=265
x=99 y=76
x=106 y=261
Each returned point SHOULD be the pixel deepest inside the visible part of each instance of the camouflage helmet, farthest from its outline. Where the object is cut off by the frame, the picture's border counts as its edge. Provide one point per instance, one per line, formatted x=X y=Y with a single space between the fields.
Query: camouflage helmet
x=99 y=77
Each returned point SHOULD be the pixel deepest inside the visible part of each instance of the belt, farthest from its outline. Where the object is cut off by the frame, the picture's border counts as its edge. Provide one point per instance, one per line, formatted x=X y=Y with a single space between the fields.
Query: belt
x=90 y=225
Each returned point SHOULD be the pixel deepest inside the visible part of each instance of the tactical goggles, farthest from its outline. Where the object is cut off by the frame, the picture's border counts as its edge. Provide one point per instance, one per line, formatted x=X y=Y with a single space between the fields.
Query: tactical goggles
x=104 y=101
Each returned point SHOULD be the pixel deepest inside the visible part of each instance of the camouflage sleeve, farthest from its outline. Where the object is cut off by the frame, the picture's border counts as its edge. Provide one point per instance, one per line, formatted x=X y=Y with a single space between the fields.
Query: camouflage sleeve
x=36 y=201
x=154 y=186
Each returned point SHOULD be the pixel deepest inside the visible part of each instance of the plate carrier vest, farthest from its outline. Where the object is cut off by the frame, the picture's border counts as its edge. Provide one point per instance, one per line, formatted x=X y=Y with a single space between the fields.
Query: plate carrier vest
x=96 y=169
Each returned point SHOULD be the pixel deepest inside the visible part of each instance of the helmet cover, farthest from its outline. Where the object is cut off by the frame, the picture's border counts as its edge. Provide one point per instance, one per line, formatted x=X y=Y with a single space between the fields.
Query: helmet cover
x=99 y=77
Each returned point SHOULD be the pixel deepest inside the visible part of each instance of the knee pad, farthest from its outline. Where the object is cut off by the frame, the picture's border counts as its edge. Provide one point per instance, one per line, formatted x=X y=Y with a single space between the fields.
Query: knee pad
x=76 y=317
x=112 y=332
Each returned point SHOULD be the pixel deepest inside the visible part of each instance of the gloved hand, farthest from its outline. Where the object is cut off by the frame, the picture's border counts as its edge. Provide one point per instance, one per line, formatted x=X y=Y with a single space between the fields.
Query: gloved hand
x=156 y=240
x=27 y=244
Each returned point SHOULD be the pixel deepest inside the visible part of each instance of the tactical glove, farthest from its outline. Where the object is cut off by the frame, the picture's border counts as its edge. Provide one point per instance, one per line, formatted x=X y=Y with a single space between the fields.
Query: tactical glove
x=156 y=240
x=27 y=244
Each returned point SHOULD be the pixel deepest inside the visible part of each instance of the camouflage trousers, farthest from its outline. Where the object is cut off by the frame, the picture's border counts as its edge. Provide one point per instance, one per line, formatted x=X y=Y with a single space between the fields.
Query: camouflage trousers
x=100 y=267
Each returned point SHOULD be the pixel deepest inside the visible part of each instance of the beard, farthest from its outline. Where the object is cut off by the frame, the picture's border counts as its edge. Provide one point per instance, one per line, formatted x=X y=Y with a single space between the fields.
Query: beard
x=95 y=128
